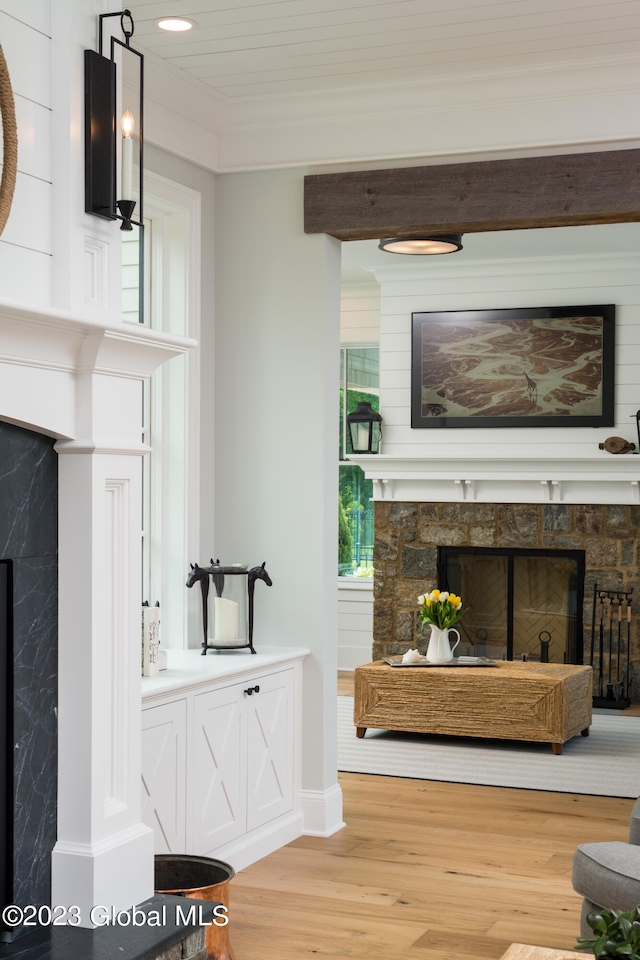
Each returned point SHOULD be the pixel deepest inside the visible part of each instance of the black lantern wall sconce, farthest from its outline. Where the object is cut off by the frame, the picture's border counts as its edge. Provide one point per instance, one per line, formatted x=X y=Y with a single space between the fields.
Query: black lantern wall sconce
x=365 y=428
x=113 y=127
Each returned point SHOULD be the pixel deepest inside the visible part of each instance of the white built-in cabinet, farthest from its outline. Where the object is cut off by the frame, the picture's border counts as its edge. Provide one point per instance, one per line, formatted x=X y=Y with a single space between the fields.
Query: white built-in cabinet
x=164 y=773
x=221 y=753
x=243 y=758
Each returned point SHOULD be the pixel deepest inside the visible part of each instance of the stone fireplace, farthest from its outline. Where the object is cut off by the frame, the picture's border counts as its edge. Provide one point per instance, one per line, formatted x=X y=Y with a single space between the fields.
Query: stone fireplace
x=589 y=504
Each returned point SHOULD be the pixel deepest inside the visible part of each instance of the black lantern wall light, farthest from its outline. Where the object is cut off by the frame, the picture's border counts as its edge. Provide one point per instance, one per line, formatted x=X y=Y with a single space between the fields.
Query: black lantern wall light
x=365 y=428
x=113 y=127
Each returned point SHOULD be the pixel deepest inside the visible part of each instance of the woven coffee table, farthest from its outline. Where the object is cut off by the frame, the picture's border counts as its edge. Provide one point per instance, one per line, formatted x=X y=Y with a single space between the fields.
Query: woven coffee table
x=548 y=702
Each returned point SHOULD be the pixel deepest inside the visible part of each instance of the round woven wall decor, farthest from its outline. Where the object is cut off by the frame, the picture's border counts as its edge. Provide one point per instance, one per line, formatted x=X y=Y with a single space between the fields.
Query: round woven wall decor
x=9 y=142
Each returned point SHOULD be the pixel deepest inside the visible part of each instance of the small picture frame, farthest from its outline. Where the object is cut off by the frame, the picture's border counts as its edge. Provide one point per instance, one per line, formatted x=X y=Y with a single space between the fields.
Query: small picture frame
x=522 y=367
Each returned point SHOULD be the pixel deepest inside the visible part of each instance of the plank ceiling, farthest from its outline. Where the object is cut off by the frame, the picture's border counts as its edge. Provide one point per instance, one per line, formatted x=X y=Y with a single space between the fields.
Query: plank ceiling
x=267 y=48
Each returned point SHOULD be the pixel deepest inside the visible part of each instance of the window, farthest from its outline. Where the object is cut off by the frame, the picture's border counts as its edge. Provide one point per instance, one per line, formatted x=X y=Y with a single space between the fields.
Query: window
x=359 y=380
x=170 y=407
x=135 y=300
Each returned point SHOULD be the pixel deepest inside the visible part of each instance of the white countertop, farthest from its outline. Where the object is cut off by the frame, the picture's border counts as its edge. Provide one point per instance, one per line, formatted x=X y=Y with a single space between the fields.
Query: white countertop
x=188 y=668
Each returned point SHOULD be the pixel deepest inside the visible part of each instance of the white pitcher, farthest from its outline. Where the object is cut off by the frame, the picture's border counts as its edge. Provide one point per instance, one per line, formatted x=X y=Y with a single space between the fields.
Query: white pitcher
x=440 y=649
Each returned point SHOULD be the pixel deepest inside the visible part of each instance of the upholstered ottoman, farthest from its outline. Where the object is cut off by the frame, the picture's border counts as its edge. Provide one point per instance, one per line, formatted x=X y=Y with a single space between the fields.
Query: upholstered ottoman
x=607 y=874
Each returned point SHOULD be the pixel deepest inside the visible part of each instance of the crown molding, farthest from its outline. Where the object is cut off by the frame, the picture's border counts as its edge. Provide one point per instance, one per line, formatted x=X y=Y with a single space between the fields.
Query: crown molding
x=537 y=110
x=182 y=115
x=572 y=80
x=545 y=266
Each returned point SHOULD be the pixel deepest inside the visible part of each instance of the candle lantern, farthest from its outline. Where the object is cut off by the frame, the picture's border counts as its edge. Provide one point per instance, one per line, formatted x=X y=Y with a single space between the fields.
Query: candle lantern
x=229 y=608
x=227 y=616
x=365 y=428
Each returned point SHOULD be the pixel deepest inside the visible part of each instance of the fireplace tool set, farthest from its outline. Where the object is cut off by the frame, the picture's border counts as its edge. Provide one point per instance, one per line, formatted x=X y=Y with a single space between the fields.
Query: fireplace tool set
x=611 y=632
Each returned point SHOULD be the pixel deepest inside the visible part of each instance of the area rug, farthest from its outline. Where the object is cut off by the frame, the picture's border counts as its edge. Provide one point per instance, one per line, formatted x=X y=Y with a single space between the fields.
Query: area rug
x=606 y=763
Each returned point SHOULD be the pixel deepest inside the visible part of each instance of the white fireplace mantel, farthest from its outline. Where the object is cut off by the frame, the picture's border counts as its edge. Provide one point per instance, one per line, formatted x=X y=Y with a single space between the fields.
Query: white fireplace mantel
x=79 y=380
x=45 y=353
x=607 y=478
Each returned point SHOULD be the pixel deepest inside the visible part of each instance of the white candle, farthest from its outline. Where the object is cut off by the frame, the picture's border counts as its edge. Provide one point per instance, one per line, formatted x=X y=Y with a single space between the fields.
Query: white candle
x=363 y=436
x=225 y=618
x=127 y=126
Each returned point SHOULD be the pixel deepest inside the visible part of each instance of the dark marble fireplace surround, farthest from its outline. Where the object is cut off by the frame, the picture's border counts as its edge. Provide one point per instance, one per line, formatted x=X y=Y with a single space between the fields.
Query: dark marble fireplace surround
x=28 y=537
x=407 y=537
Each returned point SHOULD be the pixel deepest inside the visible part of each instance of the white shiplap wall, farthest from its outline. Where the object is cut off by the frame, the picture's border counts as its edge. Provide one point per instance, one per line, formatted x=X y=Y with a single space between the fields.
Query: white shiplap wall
x=526 y=282
x=25 y=244
x=359 y=323
x=355 y=623
x=51 y=253
x=502 y=284
x=360 y=313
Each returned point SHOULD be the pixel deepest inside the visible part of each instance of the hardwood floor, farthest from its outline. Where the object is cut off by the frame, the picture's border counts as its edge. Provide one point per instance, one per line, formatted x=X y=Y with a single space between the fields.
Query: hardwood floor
x=345 y=683
x=424 y=871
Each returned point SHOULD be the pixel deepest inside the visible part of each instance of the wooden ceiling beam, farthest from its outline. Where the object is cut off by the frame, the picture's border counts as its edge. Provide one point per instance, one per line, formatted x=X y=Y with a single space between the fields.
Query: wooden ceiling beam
x=489 y=195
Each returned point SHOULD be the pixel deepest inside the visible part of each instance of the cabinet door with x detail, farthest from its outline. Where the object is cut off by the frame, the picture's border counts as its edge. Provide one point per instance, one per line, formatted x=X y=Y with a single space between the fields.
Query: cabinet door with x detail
x=164 y=789
x=270 y=738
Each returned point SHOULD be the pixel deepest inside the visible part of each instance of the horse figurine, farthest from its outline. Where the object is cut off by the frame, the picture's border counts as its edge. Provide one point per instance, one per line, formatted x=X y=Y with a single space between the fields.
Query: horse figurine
x=217 y=575
x=256 y=573
x=201 y=575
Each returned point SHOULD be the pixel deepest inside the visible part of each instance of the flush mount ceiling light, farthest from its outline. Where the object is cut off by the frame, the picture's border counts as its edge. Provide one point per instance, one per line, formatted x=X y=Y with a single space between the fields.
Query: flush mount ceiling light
x=423 y=246
x=176 y=24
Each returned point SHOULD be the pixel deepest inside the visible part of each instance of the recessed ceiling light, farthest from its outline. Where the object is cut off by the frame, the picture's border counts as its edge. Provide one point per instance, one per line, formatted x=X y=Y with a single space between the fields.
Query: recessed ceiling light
x=176 y=24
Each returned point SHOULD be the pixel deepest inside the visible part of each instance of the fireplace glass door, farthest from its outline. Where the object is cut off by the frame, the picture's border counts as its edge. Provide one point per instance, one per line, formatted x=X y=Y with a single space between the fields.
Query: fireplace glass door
x=522 y=604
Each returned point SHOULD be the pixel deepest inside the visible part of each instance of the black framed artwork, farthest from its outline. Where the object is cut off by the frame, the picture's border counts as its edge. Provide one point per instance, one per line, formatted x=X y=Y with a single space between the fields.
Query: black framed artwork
x=530 y=366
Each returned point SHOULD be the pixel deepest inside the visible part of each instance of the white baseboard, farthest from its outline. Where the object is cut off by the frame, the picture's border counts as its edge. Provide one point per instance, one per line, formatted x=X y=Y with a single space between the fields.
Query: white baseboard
x=261 y=842
x=322 y=811
x=116 y=872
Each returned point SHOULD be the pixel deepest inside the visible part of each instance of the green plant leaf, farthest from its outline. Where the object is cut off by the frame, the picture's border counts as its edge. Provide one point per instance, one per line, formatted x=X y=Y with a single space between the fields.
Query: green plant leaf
x=617 y=934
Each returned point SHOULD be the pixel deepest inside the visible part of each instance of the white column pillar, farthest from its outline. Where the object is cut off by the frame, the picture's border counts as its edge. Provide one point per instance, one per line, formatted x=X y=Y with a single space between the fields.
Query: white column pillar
x=104 y=854
x=293 y=365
